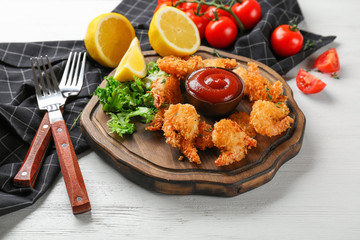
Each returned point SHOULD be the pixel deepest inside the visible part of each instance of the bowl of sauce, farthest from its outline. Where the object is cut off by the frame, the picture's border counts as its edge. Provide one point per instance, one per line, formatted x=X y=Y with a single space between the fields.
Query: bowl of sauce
x=214 y=91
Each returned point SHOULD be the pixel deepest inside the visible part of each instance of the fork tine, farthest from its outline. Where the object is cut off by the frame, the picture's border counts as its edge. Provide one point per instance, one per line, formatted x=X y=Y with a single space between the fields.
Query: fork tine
x=72 y=69
x=75 y=80
x=82 y=70
x=43 y=87
x=37 y=87
x=66 y=71
x=53 y=77
x=48 y=83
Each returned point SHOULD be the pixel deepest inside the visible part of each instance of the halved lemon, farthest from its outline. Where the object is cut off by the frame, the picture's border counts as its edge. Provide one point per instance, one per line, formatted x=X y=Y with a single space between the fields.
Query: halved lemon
x=107 y=38
x=172 y=32
x=132 y=64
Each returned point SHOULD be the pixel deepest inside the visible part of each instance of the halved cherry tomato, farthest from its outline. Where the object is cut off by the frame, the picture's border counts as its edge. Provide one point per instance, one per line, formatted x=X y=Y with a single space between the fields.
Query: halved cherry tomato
x=308 y=83
x=328 y=61
x=248 y=11
x=286 y=40
x=221 y=33
x=200 y=21
x=188 y=5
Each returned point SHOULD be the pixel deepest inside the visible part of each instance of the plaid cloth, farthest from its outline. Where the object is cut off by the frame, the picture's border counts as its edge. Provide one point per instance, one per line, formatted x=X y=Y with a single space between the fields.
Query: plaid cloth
x=20 y=117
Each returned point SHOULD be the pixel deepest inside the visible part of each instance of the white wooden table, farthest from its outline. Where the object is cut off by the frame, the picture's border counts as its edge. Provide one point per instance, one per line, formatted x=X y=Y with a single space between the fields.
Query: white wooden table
x=315 y=195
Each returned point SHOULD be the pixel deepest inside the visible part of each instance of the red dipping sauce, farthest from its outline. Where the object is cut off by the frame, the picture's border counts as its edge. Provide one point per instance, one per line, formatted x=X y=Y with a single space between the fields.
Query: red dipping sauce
x=214 y=85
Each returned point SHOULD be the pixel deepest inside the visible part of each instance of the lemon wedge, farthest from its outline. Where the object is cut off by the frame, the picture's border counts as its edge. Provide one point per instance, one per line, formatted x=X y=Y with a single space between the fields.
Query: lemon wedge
x=108 y=37
x=172 y=32
x=132 y=64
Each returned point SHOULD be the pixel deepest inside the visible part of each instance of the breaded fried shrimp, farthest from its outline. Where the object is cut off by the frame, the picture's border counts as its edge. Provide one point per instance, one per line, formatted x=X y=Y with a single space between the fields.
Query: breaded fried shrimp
x=172 y=90
x=259 y=88
x=181 y=127
x=166 y=90
x=158 y=120
x=232 y=141
x=194 y=63
x=220 y=63
x=158 y=91
x=243 y=119
x=173 y=65
x=182 y=67
x=269 y=118
x=204 y=139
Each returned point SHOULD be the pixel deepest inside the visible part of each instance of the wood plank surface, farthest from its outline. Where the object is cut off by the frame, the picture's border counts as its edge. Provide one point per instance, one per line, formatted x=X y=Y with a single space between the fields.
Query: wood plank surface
x=314 y=196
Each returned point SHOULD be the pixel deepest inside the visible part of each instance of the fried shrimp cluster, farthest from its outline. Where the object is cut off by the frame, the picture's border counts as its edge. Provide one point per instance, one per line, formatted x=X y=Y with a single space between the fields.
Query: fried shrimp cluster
x=234 y=135
x=232 y=141
x=270 y=118
x=259 y=88
x=182 y=67
x=269 y=114
x=181 y=127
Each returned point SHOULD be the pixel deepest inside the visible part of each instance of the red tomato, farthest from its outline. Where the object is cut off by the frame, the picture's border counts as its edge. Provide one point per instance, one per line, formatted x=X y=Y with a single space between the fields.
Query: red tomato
x=200 y=21
x=308 y=83
x=162 y=1
x=210 y=12
x=221 y=33
x=164 y=4
x=248 y=11
x=189 y=6
x=286 y=40
x=328 y=62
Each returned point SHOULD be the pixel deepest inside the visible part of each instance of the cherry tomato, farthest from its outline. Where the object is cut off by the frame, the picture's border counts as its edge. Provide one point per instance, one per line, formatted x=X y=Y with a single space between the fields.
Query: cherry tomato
x=308 y=83
x=164 y=4
x=188 y=5
x=200 y=21
x=221 y=33
x=210 y=12
x=248 y=11
x=328 y=61
x=286 y=40
x=162 y=1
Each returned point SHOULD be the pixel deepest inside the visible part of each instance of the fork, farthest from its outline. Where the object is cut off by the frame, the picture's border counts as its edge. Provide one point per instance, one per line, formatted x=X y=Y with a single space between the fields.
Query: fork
x=50 y=98
x=28 y=172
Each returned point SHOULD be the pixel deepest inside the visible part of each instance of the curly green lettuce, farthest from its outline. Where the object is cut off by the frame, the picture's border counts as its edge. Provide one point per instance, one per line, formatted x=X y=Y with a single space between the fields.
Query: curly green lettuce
x=125 y=101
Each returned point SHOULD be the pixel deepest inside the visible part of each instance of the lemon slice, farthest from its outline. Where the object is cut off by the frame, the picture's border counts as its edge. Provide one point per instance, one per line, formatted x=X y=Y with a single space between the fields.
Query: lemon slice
x=132 y=64
x=107 y=38
x=172 y=32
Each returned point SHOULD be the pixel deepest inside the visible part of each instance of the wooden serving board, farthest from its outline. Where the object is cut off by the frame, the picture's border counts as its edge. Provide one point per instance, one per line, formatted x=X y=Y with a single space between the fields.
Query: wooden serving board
x=147 y=160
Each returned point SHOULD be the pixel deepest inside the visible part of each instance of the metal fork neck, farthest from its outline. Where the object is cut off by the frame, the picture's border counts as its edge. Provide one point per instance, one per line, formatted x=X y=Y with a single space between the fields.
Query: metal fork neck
x=55 y=116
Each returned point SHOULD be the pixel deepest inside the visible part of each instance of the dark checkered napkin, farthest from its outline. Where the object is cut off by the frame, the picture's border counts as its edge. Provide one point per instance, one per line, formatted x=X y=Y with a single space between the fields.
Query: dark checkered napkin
x=20 y=117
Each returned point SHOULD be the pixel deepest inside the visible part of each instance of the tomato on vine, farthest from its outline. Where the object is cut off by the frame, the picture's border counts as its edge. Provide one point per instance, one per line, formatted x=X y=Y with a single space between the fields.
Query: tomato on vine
x=221 y=33
x=200 y=21
x=286 y=40
x=210 y=12
x=249 y=12
x=192 y=6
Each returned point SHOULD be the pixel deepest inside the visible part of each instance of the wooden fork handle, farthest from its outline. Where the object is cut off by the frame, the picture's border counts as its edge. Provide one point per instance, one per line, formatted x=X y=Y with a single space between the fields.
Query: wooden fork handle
x=70 y=168
x=29 y=170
